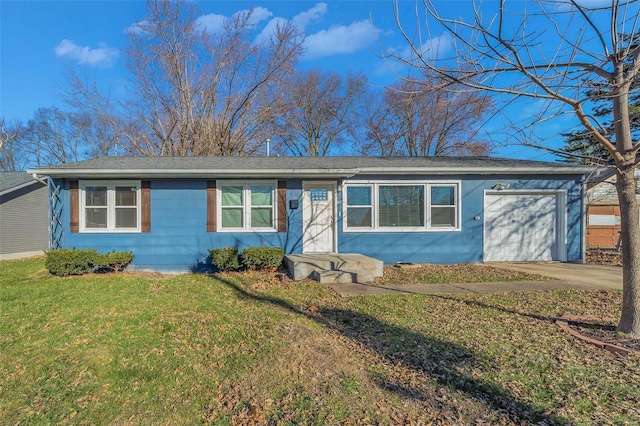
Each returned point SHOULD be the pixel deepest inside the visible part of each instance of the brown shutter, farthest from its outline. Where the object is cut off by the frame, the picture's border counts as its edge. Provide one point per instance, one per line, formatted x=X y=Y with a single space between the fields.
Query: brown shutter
x=282 y=206
x=145 y=204
x=211 y=206
x=74 y=208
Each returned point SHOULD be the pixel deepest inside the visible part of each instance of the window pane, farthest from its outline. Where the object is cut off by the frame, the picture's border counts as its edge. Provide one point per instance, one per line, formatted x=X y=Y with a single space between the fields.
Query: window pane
x=126 y=218
x=95 y=218
x=359 y=196
x=126 y=196
x=261 y=195
x=261 y=218
x=401 y=205
x=231 y=195
x=443 y=217
x=359 y=217
x=96 y=196
x=319 y=194
x=232 y=218
x=443 y=196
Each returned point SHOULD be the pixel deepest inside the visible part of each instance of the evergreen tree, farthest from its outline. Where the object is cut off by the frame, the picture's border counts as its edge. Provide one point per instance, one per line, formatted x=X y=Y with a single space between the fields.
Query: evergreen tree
x=580 y=146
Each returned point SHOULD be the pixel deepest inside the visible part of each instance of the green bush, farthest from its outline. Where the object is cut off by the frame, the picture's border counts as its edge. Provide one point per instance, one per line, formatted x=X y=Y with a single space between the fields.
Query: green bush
x=225 y=259
x=114 y=261
x=64 y=262
x=261 y=258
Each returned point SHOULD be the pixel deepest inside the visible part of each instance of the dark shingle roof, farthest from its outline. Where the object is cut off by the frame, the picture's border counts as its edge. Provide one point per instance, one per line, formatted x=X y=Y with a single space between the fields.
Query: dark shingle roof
x=299 y=166
x=14 y=180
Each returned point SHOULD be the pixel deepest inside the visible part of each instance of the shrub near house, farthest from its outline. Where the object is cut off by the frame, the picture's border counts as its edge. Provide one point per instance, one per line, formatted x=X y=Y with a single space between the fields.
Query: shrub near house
x=78 y=262
x=252 y=258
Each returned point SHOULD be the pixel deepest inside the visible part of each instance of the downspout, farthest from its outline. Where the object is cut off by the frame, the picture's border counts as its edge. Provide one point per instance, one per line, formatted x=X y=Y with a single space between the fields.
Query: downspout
x=49 y=210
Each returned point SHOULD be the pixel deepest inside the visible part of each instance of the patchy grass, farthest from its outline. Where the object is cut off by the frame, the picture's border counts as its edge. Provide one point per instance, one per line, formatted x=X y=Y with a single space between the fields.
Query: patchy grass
x=248 y=349
x=450 y=274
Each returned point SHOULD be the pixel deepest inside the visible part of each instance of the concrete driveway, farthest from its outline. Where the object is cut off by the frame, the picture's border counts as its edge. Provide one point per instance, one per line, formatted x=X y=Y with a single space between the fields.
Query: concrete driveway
x=567 y=276
x=588 y=276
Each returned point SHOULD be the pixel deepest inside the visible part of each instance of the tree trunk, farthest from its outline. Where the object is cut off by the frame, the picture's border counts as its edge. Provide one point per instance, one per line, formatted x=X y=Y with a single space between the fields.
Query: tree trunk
x=630 y=237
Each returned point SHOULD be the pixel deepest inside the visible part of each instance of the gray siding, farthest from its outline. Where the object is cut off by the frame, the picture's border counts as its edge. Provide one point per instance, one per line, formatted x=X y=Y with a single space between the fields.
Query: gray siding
x=23 y=221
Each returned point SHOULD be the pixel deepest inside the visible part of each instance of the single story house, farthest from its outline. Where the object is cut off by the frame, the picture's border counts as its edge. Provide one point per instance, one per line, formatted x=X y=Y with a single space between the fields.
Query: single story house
x=23 y=216
x=171 y=210
x=603 y=209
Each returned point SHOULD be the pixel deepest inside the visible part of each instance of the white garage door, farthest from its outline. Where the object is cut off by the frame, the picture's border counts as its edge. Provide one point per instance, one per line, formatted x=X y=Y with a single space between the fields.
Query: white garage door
x=521 y=227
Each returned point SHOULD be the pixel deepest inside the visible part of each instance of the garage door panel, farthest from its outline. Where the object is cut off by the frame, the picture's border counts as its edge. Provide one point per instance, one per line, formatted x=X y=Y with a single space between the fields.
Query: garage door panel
x=520 y=227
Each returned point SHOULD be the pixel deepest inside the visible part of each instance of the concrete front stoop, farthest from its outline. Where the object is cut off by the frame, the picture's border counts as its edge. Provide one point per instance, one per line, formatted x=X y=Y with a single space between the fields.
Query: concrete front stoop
x=331 y=268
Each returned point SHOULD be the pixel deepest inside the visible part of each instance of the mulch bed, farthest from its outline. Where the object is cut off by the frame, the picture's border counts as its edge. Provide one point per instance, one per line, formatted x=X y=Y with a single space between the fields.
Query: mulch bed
x=600 y=257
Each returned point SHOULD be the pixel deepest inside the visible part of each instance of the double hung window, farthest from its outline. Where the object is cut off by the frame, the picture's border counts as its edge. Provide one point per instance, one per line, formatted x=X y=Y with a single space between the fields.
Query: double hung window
x=402 y=206
x=110 y=206
x=247 y=206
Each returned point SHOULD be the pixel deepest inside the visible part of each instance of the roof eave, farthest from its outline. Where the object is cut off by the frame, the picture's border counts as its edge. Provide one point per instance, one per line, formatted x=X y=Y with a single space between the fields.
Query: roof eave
x=17 y=187
x=302 y=173
x=197 y=173
x=477 y=170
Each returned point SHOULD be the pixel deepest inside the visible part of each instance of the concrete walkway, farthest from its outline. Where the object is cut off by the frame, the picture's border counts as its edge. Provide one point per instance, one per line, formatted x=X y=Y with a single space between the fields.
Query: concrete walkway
x=566 y=276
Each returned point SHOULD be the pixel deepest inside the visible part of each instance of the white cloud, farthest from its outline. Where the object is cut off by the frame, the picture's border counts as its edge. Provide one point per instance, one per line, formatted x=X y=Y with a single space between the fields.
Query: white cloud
x=258 y=15
x=397 y=58
x=101 y=56
x=434 y=48
x=270 y=28
x=212 y=22
x=302 y=19
x=137 y=27
x=340 y=39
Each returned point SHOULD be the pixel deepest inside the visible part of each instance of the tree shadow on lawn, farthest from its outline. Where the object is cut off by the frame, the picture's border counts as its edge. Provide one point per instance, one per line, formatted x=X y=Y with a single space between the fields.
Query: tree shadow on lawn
x=437 y=359
x=485 y=305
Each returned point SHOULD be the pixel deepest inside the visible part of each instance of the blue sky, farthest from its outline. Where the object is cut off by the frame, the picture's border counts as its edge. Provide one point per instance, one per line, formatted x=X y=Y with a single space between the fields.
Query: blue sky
x=38 y=39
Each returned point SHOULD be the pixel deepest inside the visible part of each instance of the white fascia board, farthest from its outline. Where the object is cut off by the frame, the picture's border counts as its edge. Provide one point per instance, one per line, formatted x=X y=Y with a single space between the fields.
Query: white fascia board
x=476 y=170
x=195 y=173
x=302 y=173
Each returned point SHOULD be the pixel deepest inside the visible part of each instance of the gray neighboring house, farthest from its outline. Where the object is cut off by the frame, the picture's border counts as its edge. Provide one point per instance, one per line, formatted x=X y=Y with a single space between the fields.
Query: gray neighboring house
x=23 y=216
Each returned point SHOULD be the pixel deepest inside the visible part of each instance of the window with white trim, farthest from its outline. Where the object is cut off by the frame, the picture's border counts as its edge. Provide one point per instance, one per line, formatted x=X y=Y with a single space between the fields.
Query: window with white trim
x=247 y=206
x=112 y=206
x=443 y=211
x=359 y=207
x=401 y=206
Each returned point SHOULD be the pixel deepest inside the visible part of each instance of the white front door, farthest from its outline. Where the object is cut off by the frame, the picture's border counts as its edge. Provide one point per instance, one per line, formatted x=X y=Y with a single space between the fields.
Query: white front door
x=522 y=227
x=317 y=215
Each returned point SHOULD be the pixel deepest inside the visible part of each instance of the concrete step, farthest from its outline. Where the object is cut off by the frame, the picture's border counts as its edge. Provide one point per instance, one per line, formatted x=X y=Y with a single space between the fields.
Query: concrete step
x=342 y=276
x=361 y=268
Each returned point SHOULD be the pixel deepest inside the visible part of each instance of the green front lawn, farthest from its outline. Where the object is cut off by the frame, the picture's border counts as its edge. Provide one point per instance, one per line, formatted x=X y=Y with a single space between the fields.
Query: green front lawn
x=451 y=274
x=245 y=348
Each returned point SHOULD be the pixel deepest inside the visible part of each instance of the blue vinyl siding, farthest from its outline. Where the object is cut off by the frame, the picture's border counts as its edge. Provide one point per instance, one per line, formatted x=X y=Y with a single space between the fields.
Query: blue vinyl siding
x=179 y=241
x=466 y=244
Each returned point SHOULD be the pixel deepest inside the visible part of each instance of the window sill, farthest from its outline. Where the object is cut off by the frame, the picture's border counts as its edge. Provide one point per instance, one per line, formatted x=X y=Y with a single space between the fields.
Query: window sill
x=399 y=230
x=256 y=230
x=110 y=231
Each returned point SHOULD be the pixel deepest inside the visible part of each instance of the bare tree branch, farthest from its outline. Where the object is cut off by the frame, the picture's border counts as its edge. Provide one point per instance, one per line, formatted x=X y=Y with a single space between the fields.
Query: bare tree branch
x=498 y=55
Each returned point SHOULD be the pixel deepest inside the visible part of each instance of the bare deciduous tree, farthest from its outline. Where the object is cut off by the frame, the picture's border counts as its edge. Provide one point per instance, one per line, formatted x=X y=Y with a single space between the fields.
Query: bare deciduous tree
x=547 y=50
x=56 y=136
x=420 y=118
x=318 y=112
x=194 y=90
x=11 y=156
